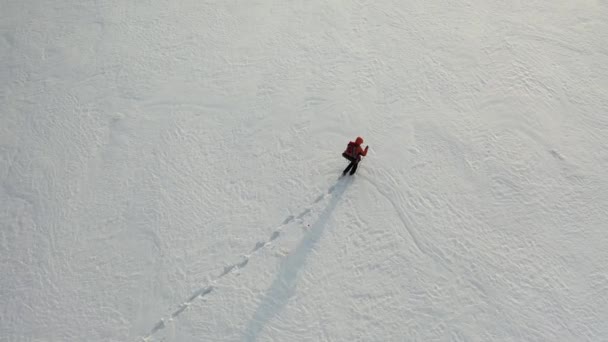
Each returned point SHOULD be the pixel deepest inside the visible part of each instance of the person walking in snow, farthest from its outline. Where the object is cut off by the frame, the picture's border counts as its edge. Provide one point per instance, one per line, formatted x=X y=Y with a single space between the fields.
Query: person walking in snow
x=353 y=153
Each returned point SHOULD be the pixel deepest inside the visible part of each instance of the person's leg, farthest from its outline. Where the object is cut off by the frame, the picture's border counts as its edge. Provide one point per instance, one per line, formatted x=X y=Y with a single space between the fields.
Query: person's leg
x=348 y=167
x=354 y=169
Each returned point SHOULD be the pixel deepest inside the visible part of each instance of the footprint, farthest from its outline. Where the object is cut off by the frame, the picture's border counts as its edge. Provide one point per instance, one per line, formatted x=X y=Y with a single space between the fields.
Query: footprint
x=556 y=155
x=288 y=219
x=227 y=270
x=304 y=213
x=157 y=327
x=179 y=311
x=258 y=245
x=243 y=263
x=207 y=291
x=281 y=253
x=195 y=294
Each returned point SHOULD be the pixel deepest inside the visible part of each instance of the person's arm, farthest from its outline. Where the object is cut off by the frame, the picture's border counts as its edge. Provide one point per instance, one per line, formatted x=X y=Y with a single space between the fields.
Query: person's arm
x=364 y=152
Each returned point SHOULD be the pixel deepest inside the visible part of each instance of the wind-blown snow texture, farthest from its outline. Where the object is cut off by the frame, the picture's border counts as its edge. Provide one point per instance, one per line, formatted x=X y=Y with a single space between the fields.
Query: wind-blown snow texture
x=169 y=170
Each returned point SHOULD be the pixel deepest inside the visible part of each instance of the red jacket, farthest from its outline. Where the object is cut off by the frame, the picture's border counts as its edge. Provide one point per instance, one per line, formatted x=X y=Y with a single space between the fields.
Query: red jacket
x=355 y=150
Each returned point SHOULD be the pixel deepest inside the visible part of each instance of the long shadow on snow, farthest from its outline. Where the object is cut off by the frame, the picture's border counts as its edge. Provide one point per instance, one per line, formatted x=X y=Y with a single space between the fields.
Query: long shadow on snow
x=283 y=287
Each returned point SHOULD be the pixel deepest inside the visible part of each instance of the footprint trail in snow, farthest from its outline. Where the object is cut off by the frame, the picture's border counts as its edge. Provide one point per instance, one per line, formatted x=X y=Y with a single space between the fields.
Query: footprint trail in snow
x=244 y=260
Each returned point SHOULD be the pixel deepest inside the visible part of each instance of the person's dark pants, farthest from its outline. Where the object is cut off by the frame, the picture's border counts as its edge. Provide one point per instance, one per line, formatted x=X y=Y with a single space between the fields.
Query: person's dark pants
x=352 y=167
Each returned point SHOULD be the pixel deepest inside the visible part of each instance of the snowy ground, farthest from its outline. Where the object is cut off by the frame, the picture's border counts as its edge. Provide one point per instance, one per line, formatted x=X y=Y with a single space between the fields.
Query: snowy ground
x=168 y=170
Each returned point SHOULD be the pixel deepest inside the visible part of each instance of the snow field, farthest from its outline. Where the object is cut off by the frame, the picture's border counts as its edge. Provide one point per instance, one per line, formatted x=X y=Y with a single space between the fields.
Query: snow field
x=146 y=147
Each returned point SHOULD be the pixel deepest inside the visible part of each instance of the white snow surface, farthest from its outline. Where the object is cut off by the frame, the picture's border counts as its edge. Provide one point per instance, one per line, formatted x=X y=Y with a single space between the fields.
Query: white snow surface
x=169 y=170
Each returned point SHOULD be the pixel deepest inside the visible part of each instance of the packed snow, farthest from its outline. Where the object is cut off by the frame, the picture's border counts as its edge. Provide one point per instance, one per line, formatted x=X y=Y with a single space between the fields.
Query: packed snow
x=169 y=170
